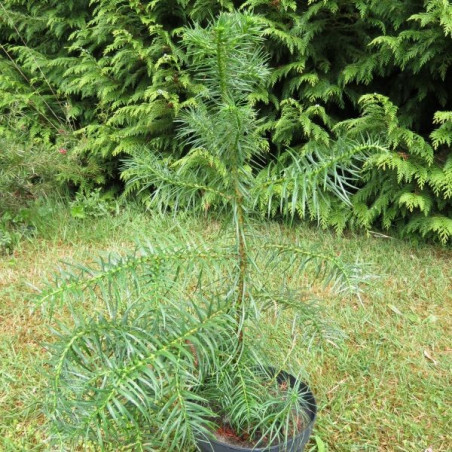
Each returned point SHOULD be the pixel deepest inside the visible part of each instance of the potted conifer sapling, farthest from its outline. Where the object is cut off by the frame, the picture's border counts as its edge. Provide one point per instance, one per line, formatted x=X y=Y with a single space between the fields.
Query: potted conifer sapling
x=165 y=348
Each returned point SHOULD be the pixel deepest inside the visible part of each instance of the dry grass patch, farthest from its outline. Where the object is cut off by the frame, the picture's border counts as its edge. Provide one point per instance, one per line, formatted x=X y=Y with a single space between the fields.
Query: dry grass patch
x=385 y=387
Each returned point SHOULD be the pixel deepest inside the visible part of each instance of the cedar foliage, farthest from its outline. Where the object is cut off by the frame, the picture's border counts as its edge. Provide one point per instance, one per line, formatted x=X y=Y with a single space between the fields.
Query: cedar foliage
x=112 y=75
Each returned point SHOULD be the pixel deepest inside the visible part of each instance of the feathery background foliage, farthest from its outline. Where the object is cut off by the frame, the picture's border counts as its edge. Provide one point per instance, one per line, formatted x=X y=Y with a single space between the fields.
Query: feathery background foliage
x=107 y=78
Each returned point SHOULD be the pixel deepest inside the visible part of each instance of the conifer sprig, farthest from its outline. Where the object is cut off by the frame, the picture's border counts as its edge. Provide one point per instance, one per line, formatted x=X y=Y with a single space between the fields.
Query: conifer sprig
x=163 y=344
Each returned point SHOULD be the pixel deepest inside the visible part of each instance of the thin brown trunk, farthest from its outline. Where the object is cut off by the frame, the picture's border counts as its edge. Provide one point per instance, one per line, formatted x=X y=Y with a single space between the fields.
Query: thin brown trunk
x=242 y=264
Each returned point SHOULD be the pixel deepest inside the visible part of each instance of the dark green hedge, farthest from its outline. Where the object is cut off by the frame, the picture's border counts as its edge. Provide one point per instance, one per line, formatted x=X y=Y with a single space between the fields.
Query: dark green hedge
x=106 y=78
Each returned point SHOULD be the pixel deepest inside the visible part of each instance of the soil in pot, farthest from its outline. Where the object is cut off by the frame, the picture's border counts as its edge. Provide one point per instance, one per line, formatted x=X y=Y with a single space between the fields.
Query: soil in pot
x=226 y=434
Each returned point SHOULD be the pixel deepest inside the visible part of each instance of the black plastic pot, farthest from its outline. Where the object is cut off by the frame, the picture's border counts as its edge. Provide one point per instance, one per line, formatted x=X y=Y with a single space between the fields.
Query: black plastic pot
x=296 y=444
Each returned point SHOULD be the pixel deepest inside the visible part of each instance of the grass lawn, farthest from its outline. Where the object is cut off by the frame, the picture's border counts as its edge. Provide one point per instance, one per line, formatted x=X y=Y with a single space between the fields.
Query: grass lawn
x=385 y=387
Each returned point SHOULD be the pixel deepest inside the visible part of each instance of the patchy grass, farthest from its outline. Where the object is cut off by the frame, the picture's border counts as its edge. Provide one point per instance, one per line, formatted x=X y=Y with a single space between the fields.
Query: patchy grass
x=386 y=387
